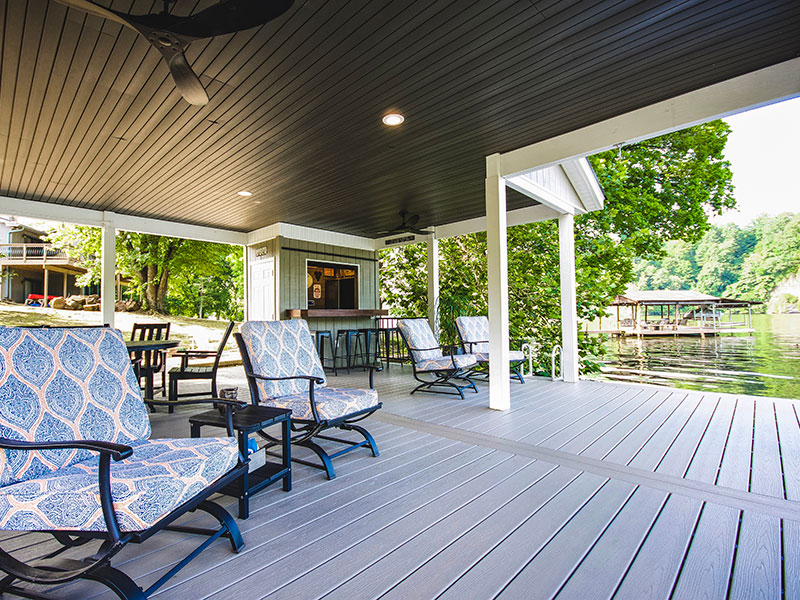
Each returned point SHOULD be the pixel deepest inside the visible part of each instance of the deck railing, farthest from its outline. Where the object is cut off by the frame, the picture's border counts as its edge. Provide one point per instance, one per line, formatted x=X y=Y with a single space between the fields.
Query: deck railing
x=33 y=253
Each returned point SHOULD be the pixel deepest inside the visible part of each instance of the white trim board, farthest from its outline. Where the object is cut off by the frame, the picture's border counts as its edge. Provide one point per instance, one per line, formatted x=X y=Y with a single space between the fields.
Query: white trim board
x=309 y=234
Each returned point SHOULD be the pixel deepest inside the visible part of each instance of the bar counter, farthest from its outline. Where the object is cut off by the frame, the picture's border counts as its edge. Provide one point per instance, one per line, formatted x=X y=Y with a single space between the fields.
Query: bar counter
x=336 y=313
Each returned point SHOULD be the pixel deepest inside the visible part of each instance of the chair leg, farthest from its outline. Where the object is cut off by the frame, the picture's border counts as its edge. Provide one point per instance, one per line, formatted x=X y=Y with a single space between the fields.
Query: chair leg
x=227 y=521
x=367 y=436
x=327 y=464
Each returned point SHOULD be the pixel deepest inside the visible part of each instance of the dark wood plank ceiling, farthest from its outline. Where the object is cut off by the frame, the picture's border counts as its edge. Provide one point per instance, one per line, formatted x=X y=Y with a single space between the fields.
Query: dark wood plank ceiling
x=89 y=116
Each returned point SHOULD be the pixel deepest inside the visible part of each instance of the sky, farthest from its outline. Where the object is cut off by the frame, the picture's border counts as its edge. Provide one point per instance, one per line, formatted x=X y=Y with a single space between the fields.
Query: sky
x=763 y=151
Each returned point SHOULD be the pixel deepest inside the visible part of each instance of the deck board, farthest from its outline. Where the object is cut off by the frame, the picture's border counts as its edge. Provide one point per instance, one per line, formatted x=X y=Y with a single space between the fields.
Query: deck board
x=494 y=571
x=707 y=566
x=466 y=509
x=655 y=569
x=378 y=577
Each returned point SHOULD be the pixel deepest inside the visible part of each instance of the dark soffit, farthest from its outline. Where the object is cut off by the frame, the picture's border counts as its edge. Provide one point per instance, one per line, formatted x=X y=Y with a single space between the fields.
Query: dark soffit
x=89 y=116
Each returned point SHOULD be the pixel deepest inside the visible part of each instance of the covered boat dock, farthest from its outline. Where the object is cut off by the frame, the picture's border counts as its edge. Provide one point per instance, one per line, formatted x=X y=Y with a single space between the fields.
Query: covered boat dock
x=679 y=312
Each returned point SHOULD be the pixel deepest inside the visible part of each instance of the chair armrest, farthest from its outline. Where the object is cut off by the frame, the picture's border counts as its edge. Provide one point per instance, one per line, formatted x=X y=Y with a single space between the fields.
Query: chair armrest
x=426 y=349
x=116 y=451
x=308 y=377
x=201 y=353
x=224 y=401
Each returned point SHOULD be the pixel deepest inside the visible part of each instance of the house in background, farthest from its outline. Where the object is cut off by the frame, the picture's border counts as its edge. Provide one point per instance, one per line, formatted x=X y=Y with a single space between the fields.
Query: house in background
x=31 y=266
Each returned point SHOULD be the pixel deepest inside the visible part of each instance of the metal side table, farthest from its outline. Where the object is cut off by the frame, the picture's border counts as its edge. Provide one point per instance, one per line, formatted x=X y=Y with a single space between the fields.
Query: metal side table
x=262 y=472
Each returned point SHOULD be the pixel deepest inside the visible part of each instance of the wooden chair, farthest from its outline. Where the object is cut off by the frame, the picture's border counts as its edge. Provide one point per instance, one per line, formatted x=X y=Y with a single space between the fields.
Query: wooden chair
x=432 y=368
x=189 y=372
x=474 y=335
x=283 y=370
x=158 y=359
x=79 y=463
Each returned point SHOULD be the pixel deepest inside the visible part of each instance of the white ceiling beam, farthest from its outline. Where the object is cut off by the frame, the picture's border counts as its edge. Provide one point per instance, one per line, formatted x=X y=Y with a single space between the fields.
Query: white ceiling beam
x=48 y=211
x=519 y=216
x=759 y=88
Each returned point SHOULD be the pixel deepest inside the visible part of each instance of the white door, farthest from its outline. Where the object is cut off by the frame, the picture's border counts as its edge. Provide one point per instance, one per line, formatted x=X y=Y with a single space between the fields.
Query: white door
x=262 y=290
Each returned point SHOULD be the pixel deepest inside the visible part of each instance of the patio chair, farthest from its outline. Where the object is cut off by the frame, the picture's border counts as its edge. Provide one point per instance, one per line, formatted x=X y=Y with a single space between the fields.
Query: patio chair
x=194 y=372
x=283 y=370
x=474 y=335
x=77 y=462
x=431 y=367
x=158 y=359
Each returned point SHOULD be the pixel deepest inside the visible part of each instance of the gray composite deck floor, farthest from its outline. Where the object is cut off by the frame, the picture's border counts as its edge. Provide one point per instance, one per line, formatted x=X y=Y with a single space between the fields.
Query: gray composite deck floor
x=588 y=490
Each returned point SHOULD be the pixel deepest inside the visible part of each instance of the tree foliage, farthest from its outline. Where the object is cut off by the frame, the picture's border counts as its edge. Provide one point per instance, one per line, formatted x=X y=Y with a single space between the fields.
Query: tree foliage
x=730 y=261
x=154 y=262
x=656 y=191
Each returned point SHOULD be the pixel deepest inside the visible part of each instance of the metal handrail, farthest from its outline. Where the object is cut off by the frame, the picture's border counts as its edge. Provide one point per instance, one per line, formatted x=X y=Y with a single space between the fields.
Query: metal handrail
x=557 y=351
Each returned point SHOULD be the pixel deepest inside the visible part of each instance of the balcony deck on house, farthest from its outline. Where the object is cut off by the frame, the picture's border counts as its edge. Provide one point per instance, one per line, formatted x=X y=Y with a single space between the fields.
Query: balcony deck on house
x=588 y=490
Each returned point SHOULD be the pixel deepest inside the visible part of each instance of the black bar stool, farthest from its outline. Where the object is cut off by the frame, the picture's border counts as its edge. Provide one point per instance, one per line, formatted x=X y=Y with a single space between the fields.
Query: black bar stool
x=352 y=346
x=320 y=336
x=372 y=335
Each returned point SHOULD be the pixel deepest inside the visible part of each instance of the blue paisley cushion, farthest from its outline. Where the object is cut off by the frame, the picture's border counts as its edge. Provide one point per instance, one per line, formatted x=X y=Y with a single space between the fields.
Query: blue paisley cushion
x=159 y=476
x=332 y=403
x=447 y=363
x=61 y=384
x=513 y=356
x=418 y=334
x=475 y=330
x=281 y=349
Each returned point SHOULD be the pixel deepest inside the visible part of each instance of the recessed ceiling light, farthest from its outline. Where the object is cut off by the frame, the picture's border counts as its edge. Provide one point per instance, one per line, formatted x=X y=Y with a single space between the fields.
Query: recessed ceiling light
x=393 y=119
x=245 y=193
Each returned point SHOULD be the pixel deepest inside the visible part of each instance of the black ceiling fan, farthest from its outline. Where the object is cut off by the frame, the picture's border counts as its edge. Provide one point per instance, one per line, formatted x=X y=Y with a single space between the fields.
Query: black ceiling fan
x=171 y=34
x=408 y=225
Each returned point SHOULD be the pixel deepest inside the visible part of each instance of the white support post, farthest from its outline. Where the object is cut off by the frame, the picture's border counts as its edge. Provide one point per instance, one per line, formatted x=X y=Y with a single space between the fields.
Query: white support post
x=569 y=299
x=46 y=287
x=433 y=284
x=246 y=291
x=107 y=268
x=497 y=258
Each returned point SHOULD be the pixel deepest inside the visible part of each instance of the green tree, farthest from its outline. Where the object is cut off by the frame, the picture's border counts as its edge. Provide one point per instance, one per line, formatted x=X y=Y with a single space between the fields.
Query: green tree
x=658 y=190
x=149 y=260
x=776 y=255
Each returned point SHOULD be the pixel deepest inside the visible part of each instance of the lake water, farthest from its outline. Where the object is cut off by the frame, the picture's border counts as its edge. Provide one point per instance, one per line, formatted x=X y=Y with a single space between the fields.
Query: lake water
x=766 y=363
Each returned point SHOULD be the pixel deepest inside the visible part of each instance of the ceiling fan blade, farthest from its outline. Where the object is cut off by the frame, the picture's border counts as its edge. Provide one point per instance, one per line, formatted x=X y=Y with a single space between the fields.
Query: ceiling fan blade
x=186 y=80
x=229 y=16
x=419 y=231
x=99 y=11
x=412 y=220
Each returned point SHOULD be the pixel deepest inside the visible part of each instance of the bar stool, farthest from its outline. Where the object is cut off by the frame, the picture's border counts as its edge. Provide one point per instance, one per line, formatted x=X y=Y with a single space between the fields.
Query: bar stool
x=352 y=346
x=320 y=336
x=370 y=334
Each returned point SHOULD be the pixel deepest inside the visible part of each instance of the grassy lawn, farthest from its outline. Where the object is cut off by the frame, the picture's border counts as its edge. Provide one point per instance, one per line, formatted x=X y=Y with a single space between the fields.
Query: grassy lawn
x=194 y=333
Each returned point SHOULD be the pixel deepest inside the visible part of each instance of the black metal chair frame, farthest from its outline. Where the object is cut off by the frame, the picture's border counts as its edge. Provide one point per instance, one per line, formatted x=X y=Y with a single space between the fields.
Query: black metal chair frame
x=441 y=378
x=307 y=430
x=482 y=368
x=181 y=373
x=152 y=331
x=54 y=569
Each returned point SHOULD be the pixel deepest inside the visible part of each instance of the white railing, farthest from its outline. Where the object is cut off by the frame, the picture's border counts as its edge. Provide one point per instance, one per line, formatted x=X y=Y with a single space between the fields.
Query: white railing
x=32 y=253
